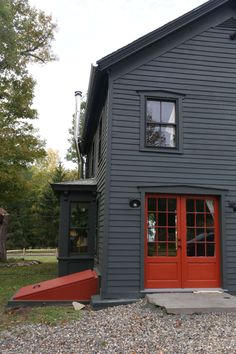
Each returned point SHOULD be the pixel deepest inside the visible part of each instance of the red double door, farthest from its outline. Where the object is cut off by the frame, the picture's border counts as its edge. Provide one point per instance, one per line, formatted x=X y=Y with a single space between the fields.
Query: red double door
x=182 y=242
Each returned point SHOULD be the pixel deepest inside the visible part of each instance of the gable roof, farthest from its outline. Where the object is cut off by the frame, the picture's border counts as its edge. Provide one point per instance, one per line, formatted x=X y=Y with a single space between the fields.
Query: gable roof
x=159 y=33
x=98 y=76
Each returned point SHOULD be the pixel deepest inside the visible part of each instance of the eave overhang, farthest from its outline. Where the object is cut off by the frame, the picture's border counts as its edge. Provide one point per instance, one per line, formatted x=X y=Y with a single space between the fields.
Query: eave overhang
x=97 y=92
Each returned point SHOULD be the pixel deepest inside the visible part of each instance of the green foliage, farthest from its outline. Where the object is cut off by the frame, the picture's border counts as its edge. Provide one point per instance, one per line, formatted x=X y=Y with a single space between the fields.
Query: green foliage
x=71 y=151
x=34 y=218
x=24 y=228
x=26 y=36
x=20 y=145
x=48 y=211
x=43 y=170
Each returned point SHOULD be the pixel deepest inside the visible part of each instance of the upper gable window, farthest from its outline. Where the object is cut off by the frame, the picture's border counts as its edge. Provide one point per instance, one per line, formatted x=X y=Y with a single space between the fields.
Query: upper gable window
x=160 y=123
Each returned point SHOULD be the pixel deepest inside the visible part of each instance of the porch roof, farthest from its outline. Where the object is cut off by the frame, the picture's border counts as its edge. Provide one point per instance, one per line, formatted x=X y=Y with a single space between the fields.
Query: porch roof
x=82 y=185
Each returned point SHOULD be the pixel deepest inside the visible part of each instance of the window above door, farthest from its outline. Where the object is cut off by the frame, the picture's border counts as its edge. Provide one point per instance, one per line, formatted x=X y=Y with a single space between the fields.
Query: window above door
x=161 y=122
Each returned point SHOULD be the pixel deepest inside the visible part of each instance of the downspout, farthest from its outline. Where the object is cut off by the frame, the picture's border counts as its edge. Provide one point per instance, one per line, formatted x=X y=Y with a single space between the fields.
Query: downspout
x=77 y=135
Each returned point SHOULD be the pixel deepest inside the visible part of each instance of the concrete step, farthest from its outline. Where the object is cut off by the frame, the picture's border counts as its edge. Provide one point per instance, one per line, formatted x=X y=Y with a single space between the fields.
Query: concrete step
x=195 y=302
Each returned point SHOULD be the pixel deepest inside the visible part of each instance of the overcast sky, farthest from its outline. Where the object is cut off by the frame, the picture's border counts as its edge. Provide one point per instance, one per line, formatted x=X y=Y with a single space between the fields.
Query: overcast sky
x=87 y=31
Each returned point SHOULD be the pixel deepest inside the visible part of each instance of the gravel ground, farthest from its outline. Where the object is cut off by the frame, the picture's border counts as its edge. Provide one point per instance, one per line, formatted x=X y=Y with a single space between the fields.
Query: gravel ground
x=130 y=329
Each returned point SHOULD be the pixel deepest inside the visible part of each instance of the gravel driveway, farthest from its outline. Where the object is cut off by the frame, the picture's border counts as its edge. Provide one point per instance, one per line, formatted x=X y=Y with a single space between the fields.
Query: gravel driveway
x=130 y=329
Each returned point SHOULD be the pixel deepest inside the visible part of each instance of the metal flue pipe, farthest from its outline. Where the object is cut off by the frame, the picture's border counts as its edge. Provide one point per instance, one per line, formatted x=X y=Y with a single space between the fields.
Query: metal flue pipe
x=77 y=133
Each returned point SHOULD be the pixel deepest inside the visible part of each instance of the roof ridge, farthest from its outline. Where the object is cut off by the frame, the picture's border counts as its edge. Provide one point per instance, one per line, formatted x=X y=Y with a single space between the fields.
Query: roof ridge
x=158 y=33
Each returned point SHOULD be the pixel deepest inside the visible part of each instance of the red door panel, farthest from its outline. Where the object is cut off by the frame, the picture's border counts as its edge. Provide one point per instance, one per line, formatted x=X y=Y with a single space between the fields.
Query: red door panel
x=163 y=274
x=162 y=261
x=200 y=238
x=181 y=242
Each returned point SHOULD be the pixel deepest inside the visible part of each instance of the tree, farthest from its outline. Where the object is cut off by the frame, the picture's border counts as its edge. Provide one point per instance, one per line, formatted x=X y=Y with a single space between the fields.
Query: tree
x=19 y=143
x=26 y=36
x=45 y=226
x=48 y=210
x=3 y=232
x=34 y=217
x=25 y=223
x=42 y=171
x=71 y=151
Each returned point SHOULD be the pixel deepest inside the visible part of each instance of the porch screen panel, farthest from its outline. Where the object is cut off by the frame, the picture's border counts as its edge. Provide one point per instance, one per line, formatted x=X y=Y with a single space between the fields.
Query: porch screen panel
x=78 y=232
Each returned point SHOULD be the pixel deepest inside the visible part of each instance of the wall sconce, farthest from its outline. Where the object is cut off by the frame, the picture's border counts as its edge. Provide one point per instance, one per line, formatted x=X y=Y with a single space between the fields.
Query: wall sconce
x=134 y=203
x=232 y=205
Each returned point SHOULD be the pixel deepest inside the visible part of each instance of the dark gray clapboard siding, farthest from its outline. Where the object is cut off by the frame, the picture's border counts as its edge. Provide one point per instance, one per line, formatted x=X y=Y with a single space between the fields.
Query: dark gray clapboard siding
x=99 y=172
x=204 y=69
x=102 y=164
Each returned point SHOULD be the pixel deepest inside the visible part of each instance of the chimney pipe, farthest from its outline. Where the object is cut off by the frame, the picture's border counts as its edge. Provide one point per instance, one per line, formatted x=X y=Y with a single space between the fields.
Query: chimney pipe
x=78 y=97
x=77 y=133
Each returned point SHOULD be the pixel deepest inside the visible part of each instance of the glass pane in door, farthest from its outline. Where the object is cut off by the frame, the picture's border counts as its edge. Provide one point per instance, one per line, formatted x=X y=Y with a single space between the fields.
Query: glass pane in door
x=161 y=227
x=200 y=240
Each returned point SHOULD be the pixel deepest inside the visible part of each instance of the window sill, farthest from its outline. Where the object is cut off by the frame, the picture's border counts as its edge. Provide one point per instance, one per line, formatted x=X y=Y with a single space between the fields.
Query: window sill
x=160 y=151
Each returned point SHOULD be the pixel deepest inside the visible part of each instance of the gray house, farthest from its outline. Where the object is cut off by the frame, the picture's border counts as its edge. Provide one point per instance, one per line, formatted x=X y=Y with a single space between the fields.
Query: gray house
x=157 y=207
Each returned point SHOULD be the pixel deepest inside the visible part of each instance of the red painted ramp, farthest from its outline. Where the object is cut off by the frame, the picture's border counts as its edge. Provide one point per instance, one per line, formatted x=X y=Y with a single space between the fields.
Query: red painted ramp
x=74 y=287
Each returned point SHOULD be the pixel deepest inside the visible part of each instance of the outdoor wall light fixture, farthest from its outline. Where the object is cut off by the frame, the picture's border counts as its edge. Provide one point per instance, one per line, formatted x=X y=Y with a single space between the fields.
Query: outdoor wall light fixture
x=232 y=205
x=134 y=203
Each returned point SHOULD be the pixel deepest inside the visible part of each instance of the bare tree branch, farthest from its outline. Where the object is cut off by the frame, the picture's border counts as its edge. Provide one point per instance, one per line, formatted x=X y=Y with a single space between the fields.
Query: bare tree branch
x=34 y=56
x=39 y=45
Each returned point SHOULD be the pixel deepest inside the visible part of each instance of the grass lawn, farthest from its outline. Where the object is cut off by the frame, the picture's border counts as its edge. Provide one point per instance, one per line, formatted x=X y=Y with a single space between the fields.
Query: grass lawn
x=43 y=259
x=11 y=279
